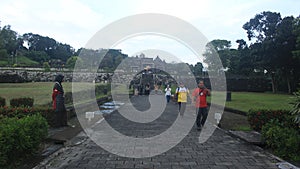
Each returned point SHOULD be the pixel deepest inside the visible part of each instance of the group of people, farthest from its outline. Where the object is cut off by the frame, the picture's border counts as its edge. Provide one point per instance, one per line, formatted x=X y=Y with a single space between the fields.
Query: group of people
x=198 y=98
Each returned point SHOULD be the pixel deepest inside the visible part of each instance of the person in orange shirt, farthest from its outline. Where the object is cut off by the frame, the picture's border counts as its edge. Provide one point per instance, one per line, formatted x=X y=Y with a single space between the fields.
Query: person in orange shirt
x=199 y=99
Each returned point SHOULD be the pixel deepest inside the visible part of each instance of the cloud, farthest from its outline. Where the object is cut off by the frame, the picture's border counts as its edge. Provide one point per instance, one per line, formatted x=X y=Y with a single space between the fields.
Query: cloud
x=167 y=49
x=187 y=10
x=68 y=21
x=76 y=21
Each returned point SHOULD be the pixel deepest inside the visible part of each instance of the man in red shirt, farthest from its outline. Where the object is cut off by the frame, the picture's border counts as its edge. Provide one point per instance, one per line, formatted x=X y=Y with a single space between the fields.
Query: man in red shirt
x=199 y=98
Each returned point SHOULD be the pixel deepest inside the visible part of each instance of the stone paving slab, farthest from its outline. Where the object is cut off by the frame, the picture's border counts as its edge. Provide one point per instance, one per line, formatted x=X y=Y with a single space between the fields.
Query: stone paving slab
x=251 y=137
x=219 y=151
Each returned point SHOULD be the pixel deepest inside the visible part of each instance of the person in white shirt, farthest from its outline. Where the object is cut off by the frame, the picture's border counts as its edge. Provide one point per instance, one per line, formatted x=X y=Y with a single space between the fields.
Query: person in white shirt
x=168 y=93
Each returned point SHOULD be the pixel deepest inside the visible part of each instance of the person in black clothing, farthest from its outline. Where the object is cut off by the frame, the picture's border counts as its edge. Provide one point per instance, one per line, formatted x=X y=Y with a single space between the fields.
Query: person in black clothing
x=58 y=101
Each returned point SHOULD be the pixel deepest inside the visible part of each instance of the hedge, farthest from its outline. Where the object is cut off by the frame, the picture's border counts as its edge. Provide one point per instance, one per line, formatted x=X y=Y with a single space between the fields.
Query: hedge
x=257 y=118
x=2 y=102
x=19 y=102
x=19 y=112
x=283 y=140
x=20 y=138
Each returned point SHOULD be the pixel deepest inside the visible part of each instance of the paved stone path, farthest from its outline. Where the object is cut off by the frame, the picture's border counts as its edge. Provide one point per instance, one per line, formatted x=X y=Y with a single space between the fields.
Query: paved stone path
x=219 y=151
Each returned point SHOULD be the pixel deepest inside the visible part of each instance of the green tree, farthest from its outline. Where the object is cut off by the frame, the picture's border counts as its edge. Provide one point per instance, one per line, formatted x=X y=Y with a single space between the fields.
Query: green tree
x=198 y=69
x=217 y=49
x=39 y=56
x=262 y=28
x=285 y=43
x=246 y=63
x=211 y=55
x=54 y=49
x=74 y=60
x=9 y=40
x=46 y=66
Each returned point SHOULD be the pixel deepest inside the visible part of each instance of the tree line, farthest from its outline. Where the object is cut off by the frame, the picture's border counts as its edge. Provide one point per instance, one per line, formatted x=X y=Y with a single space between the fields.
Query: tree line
x=272 y=52
x=46 y=51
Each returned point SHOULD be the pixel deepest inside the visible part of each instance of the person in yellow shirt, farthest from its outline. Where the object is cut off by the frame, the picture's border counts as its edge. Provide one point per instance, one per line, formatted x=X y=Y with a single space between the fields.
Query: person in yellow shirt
x=182 y=93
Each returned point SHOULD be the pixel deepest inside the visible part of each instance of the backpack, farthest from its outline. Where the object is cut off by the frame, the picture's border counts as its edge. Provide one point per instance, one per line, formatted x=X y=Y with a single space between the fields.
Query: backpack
x=176 y=94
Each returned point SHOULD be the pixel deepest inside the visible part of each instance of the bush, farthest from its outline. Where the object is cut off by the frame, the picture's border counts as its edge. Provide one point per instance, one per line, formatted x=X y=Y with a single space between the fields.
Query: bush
x=19 y=112
x=257 y=118
x=102 y=89
x=2 y=102
x=20 y=138
x=46 y=67
x=284 y=141
x=296 y=107
x=19 y=102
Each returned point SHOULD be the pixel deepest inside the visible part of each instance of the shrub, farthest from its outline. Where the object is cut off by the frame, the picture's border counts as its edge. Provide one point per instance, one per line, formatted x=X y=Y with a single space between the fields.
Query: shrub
x=283 y=140
x=296 y=107
x=46 y=67
x=257 y=118
x=20 y=138
x=2 y=102
x=19 y=102
x=19 y=112
x=102 y=89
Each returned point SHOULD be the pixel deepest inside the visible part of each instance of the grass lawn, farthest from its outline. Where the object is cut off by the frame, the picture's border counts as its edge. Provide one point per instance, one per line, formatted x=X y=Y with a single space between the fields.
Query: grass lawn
x=244 y=101
x=40 y=91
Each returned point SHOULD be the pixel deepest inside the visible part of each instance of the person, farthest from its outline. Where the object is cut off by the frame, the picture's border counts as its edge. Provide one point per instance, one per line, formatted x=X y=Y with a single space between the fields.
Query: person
x=199 y=99
x=58 y=102
x=147 y=89
x=168 y=93
x=182 y=94
x=136 y=90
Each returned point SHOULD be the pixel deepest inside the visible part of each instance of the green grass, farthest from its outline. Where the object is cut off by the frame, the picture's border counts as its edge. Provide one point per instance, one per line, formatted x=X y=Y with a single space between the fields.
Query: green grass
x=20 y=61
x=3 y=63
x=245 y=101
x=24 y=61
x=242 y=128
x=121 y=89
x=40 y=91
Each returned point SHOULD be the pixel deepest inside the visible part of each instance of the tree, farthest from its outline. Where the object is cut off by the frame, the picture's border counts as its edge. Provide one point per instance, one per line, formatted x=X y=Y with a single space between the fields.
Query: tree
x=198 y=69
x=74 y=60
x=215 y=50
x=212 y=52
x=9 y=40
x=54 y=50
x=46 y=66
x=39 y=56
x=285 y=43
x=263 y=28
x=246 y=62
x=39 y=43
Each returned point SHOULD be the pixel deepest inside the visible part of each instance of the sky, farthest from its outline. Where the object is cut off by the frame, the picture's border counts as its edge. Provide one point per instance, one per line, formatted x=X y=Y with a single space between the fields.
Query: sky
x=76 y=21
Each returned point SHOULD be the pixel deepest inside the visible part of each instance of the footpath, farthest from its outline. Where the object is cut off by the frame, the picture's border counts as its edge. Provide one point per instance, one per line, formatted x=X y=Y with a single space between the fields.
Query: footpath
x=75 y=150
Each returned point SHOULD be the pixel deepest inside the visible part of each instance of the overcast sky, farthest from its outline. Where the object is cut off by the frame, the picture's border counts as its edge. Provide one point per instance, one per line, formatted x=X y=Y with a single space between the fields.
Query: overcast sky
x=75 y=21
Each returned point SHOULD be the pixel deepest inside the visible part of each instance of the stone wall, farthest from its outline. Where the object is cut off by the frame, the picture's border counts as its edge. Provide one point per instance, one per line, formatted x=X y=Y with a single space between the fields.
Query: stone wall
x=19 y=76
